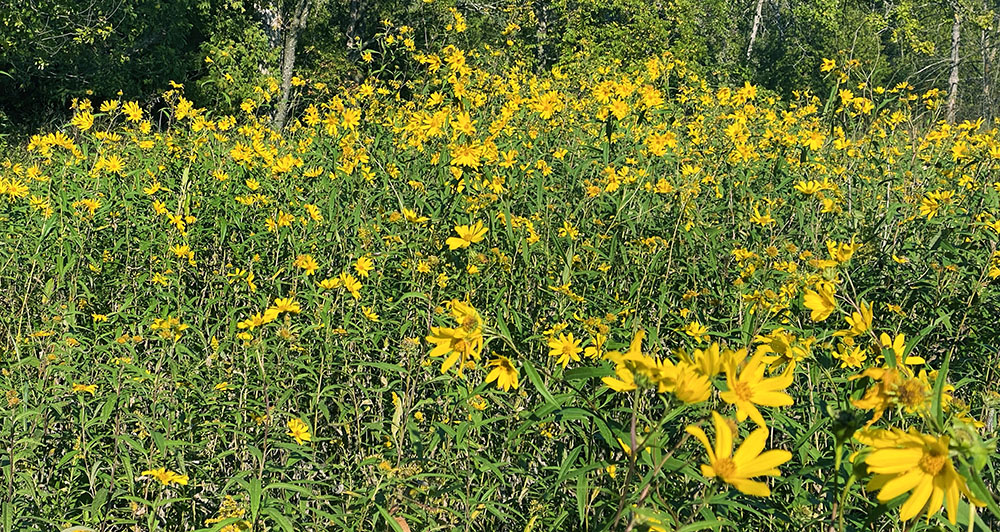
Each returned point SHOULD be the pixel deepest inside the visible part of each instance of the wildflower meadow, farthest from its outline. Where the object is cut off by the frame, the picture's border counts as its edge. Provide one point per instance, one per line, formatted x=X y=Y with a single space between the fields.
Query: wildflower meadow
x=486 y=297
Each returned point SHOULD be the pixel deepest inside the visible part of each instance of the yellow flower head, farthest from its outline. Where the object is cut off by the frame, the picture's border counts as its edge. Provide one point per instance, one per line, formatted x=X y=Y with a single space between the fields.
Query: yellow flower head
x=736 y=469
x=84 y=388
x=411 y=216
x=820 y=301
x=299 y=430
x=307 y=263
x=566 y=348
x=467 y=235
x=503 y=372
x=917 y=463
x=364 y=266
x=460 y=343
x=166 y=477
x=750 y=388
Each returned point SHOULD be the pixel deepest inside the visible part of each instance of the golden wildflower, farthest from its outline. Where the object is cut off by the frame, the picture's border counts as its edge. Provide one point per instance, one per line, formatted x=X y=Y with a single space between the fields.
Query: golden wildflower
x=411 y=216
x=503 y=372
x=169 y=328
x=841 y=252
x=566 y=348
x=230 y=509
x=761 y=219
x=898 y=346
x=280 y=305
x=166 y=477
x=712 y=360
x=917 y=463
x=133 y=112
x=364 y=265
x=467 y=235
x=84 y=388
x=351 y=284
x=370 y=313
x=933 y=201
x=750 y=388
x=685 y=381
x=860 y=322
x=820 y=301
x=460 y=343
x=625 y=381
x=737 y=469
x=850 y=355
x=894 y=387
x=307 y=263
x=697 y=331
x=83 y=120
x=299 y=430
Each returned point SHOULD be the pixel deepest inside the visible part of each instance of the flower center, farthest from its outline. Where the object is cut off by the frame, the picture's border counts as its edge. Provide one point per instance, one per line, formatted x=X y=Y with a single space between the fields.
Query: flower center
x=910 y=394
x=932 y=462
x=724 y=468
x=743 y=391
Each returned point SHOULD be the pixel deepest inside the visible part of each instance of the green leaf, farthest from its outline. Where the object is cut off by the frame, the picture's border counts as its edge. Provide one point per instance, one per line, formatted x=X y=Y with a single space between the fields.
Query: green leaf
x=937 y=412
x=536 y=380
x=704 y=525
x=587 y=373
x=302 y=490
x=980 y=490
x=280 y=519
x=582 y=490
x=389 y=519
x=256 y=493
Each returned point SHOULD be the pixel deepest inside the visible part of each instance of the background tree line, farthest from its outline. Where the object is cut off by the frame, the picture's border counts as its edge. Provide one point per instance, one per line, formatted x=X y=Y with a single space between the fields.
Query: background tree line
x=54 y=50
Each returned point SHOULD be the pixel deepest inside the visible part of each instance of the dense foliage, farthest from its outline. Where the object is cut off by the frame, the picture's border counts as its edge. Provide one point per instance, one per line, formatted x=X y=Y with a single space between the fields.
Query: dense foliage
x=463 y=293
x=54 y=50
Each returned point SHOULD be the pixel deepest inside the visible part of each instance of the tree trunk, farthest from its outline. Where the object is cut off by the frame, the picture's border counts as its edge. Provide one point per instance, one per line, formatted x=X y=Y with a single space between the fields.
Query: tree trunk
x=757 y=19
x=270 y=21
x=357 y=22
x=956 y=32
x=291 y=39
x=268 y=14
x=541 y=12
x=986 y=47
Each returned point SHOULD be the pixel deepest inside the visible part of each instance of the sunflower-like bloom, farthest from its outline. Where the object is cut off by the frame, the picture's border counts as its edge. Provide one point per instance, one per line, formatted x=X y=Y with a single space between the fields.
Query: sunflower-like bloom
x=894 y=387
x=714 y=359
x=687 y=383
x=626 y=362
x=467 y=235
x=820 y=301
x=860 y=322
x=749 y=388
x=460 y=343
x=736 y=469
x=683 y=379
x=503 y=372
x=166 y=477
x=880 y=396
x=916 y=463
x=625 y=381
x=566 y=348
x=299 y=430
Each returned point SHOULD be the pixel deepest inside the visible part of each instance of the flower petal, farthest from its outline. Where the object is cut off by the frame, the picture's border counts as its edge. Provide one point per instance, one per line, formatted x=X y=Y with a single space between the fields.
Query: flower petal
x=766 y=463
x=699 y=435
x=917 y=499
x=751 y=448
x=901 y=484
x=723 y=436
